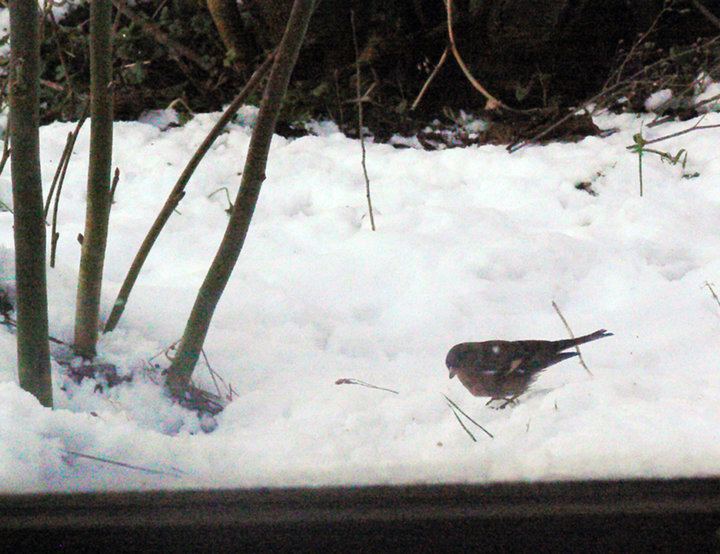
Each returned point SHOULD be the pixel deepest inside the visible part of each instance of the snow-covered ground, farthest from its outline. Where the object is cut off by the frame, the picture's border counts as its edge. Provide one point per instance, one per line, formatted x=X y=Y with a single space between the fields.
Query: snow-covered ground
x=471 y=244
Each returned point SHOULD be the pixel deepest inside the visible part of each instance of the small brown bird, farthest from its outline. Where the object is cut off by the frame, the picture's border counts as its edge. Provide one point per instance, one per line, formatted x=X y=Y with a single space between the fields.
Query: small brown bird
x=503 y=370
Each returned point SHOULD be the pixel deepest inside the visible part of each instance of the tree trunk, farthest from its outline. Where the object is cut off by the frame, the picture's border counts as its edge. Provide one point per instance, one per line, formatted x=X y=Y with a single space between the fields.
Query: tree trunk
x=29 y=225
x=253 y=176
x=239 y=43
x=177 y=194
x=87 y=311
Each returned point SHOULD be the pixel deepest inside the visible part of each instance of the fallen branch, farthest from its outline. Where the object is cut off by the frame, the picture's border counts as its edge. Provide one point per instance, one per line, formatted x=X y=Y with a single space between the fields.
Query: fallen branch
x=348 y=381
x=123 y=464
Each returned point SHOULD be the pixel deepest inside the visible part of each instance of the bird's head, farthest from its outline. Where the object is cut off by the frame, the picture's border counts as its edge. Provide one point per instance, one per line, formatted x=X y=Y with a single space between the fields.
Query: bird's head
x=454 y=358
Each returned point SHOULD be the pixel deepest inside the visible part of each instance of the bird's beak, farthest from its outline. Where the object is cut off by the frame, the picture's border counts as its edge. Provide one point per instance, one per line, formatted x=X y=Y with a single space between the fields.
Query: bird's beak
x=453 y=371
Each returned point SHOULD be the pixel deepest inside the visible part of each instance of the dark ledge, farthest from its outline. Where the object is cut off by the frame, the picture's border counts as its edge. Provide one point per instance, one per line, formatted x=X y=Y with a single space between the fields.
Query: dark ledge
x=633 y=515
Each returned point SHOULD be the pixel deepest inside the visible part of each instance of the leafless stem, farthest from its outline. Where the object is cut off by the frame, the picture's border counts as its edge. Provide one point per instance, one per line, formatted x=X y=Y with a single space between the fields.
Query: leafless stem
x=62 y=167
x=492 y=102
x=58 y=181
x=430 y=78
x=6 y=150
x=114 y=184
x=59 y=176
x=62 y=164
x=707 y=13
x=61 y=56
x=605 y=92
x=695 y=127
x=641 y=39
x=361 y=132
x=178 y=192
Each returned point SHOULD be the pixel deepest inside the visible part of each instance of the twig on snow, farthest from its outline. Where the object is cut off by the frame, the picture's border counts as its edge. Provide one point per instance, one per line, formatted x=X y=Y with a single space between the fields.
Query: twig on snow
x=572 y=336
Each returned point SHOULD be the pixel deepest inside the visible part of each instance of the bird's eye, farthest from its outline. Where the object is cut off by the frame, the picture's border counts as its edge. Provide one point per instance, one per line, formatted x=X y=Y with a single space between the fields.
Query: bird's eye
x=496 y=349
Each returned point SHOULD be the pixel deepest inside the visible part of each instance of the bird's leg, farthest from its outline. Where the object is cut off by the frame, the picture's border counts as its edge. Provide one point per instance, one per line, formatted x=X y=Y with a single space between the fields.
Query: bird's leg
x=507 y=402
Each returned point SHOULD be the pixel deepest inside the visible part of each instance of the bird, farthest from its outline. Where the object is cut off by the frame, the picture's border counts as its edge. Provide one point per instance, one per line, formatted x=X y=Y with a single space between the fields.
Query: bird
x=503 y=370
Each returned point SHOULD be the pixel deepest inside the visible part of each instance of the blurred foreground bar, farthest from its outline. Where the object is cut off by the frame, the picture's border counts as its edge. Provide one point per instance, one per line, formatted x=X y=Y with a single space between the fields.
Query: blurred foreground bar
x=633 y=515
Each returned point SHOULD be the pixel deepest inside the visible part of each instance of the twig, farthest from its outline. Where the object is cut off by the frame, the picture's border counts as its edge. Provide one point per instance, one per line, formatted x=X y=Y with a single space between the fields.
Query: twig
x=517 y=146
x=712 y=291
x=6 y=150
x=572 y=336
x=361 y=132
x=10 y=322
x=167 y=351
x=114 y=184
x=492 y=102
x=430 y=78
x=695 y=127
x=63 y=63
x=52 y=86
x=123 y=464
x=213 y=402
x=54 y=237
x=347 y=381
x=605 y=92
x=454 y=407
x=618 y=73
x=707 y=13
x=58 y=180
x=213 y=374
x=702 y=103
x=640 y=166
x=61 y=165
x=59 y=176
x=230 y=207
x=460 y=421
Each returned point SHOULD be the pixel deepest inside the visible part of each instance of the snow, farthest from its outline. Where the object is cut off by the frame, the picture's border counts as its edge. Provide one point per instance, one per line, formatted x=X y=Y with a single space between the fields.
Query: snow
x=658 y=100
x=707 y=92
x=471 y=244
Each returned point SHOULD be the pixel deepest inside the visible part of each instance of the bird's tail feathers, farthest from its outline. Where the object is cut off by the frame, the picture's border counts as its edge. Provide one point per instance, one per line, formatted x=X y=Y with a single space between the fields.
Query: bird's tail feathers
x=567 y=343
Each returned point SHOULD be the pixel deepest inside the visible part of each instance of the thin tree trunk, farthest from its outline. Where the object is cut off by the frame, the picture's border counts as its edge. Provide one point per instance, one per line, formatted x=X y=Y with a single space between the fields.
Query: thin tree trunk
x=177 y=194
x=29 y=225
x=183 y=363
x=87 y=311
